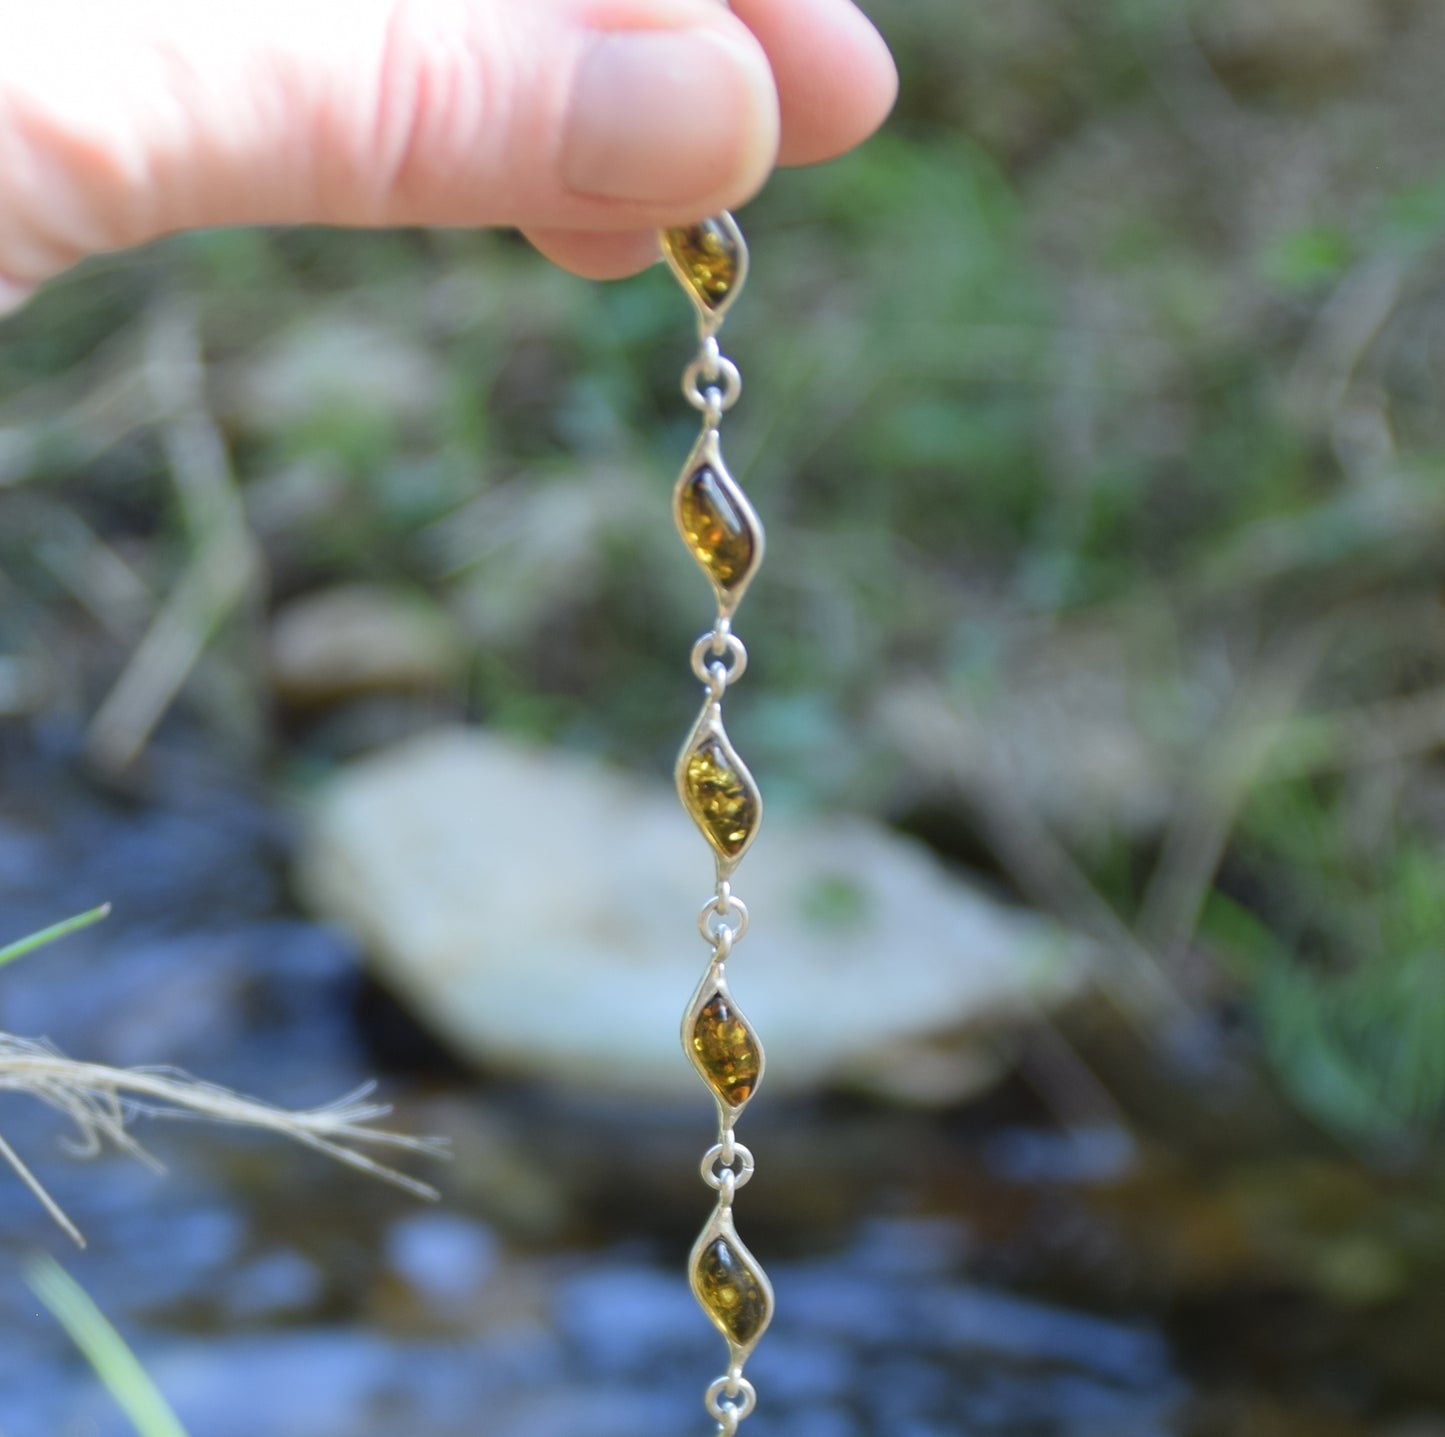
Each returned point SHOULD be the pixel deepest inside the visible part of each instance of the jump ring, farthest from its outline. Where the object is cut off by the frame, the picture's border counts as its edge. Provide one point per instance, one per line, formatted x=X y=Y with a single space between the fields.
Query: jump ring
x=741 y=1176
x=733 y=916
x=710 y=650
x=726 y=371
x=731 y=1394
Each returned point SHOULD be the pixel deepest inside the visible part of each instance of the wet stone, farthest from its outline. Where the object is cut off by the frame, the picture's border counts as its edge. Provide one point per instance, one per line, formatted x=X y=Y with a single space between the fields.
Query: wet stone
x=731 y=1292
x=716 y=529
x=718 y=796
x=726 y=1051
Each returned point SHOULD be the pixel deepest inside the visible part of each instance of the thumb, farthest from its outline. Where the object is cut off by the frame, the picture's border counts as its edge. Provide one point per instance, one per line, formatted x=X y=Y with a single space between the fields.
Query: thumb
x=122 y=121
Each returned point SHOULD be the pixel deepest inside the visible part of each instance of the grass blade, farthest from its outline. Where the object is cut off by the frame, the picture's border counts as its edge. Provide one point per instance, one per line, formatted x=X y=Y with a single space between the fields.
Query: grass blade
x=104 y=1348
x=48 y=935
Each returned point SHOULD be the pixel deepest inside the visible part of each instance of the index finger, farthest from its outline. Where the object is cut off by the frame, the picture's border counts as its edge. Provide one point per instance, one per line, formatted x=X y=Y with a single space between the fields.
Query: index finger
x=836 y=80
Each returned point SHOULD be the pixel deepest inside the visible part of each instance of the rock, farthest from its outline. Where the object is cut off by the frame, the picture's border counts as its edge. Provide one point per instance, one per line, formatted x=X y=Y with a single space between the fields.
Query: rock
x=537 y=911
x=1273 y=43
x=360 y=639
x=1059 y=733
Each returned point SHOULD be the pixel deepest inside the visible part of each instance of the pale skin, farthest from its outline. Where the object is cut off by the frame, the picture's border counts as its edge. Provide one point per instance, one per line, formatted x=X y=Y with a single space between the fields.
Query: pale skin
x=587 y=124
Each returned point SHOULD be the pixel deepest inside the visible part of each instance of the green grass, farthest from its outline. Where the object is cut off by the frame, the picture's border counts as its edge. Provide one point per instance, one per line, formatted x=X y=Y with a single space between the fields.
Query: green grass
x=114 y=1363
x=56 y=931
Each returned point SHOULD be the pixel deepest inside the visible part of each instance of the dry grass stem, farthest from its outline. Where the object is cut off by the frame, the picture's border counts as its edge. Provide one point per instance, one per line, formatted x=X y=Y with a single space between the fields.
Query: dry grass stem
x=1224 y=775
x=101 y=1101
x=1042 y=866
x=224 y=561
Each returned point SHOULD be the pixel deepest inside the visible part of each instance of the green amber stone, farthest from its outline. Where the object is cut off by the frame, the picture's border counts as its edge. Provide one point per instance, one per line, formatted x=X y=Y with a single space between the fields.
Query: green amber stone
x=709 y=258
x=732 y=1292
x=720 y=796
x=726 y=1051
x=716 y=529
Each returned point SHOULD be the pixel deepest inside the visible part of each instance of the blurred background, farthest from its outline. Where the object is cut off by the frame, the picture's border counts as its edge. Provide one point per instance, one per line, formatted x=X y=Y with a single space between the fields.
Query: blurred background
x=1098 y=697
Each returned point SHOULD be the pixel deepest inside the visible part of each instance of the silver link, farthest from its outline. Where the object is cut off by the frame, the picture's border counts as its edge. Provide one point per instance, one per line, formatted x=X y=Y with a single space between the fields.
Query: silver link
x=730 y=1396
x=708 y=653
x=722 y=369
x=723 y=912
x=713 y=1174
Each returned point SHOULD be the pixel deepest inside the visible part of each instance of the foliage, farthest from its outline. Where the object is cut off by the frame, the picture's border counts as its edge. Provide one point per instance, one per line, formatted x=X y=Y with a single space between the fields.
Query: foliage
x=1115 y=361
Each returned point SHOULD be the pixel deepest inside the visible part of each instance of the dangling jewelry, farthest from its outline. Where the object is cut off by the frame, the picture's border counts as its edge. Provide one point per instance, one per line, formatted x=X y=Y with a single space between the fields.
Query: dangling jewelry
x=723 y=534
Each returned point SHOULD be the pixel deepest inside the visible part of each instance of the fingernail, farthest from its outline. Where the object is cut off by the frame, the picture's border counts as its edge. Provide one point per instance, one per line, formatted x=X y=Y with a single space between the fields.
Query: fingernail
x=661 y=116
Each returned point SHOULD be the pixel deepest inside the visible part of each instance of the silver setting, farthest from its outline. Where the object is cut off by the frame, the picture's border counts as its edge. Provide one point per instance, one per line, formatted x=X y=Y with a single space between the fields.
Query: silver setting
x=709 y=729
x=707 y=454
x=711 y=315
x=721 y=1227
x=715 y=985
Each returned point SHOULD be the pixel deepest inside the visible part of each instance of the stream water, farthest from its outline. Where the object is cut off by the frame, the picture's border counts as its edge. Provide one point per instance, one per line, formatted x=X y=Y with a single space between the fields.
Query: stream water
x=977 y=1273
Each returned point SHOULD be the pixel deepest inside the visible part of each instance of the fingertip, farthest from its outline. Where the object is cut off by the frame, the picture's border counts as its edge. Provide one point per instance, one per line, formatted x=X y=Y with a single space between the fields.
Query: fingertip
x=873 y=85
x=836 y=78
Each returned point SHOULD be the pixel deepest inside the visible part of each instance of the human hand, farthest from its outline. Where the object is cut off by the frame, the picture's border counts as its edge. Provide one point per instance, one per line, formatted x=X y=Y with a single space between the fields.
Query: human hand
x=588 y=124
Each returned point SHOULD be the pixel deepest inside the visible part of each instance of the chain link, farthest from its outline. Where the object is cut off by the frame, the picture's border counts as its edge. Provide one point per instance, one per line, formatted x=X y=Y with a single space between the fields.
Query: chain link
x=729 y=1399
x=707 y=396
x=708 y=654
x=723 y=912
x=716 y=1172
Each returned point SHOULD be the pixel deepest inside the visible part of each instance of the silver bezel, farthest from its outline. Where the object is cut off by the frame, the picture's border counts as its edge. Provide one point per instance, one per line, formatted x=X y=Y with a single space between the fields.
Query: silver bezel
x=715 y=981
x=710 y=725
x=721 y=1225
x=708 y=451
x=710 y=318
